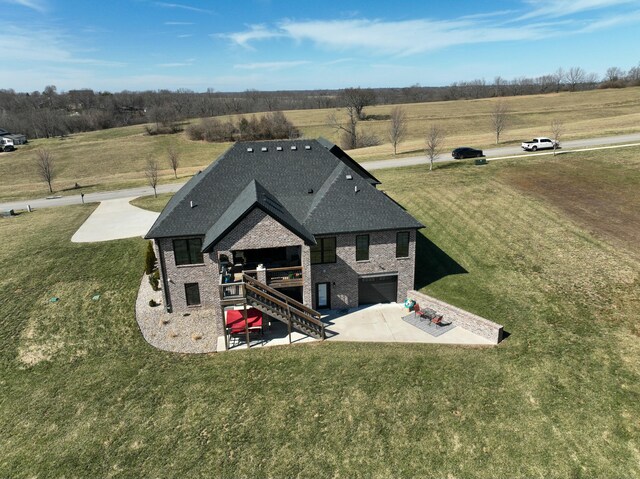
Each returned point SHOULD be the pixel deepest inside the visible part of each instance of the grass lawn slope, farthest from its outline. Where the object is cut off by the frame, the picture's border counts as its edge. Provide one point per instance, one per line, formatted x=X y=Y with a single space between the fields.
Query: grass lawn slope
x=84 y=396
x=152 y=203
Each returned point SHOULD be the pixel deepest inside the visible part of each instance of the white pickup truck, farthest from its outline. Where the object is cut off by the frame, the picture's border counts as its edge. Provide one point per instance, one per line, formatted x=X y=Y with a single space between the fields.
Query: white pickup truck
x=539 y=144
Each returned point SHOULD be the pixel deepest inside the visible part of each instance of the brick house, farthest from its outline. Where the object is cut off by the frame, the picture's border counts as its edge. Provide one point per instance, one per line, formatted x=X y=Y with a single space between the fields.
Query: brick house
x=297 y=225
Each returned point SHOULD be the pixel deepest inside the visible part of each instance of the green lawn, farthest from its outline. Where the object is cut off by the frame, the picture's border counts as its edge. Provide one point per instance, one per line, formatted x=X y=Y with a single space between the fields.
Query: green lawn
x=84 y=396
x=152 y=203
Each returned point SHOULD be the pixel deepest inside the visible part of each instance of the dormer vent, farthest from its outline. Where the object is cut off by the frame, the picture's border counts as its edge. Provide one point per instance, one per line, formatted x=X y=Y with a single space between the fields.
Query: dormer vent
x=192 y=204
x=349 y=177
x=264 y=148
x=279 y=148
x=356 y=189
x=307 y=147
x=310 y=191
x=250 y=150
x=294 y=147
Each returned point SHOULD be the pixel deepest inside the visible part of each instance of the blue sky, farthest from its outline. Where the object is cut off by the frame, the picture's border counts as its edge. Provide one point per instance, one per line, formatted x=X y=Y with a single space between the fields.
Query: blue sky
x=270 y=44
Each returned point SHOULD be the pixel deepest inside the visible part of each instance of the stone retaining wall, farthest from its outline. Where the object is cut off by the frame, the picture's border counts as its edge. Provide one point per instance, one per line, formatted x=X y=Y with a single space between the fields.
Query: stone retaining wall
x=469 y=321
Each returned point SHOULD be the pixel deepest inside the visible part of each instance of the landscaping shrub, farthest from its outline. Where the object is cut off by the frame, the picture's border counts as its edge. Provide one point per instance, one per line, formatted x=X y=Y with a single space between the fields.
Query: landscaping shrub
x=154 y=280
x=149 y=259
x=215 y=130
x=271 y=126
x=153 y=303
x=195 y=132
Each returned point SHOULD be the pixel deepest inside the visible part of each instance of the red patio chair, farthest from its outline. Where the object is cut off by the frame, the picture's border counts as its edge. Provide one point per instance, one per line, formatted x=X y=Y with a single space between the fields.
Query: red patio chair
x=428 y=314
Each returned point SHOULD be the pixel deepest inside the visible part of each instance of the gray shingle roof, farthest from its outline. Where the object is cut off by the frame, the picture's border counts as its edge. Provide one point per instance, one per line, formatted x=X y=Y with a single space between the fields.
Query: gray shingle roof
x=301 y=183
x=254 y=196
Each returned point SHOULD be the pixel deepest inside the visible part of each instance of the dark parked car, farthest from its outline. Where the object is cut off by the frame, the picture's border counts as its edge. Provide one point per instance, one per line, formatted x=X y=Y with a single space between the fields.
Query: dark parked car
x=466 y=152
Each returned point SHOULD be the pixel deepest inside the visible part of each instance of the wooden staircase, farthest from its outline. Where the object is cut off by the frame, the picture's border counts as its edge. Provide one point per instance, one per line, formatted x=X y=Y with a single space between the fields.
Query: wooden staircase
x=281 y=307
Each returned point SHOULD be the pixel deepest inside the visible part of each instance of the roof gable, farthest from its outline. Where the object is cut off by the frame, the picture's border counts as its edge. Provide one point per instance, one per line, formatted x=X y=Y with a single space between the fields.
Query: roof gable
x=254 y=195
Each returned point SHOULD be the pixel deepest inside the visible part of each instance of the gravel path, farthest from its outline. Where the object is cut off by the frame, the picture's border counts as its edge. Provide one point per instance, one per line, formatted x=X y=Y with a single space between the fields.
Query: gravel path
x=174 y=332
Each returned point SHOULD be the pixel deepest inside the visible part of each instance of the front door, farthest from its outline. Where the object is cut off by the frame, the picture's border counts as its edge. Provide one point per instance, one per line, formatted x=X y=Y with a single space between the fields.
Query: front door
x=322 y=295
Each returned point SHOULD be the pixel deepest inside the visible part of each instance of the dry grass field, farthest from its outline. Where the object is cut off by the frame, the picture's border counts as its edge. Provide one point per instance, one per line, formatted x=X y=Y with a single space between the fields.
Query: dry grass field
x=116 y=158
x=467 y=122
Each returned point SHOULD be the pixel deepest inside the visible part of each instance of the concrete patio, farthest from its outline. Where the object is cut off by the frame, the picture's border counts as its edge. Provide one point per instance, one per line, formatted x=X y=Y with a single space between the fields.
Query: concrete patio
x=381 y=323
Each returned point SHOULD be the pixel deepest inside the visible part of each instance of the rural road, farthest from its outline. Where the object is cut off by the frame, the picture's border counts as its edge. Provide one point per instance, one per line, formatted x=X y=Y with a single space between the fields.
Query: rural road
x=503 y=151
x=492 y=153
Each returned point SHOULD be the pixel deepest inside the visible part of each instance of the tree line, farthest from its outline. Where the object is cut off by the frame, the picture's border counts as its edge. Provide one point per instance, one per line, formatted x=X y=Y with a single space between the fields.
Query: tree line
x=52 y=113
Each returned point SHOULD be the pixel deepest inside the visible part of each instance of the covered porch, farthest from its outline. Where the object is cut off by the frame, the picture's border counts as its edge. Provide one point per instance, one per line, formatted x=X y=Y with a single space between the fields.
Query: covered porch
x=279 y=268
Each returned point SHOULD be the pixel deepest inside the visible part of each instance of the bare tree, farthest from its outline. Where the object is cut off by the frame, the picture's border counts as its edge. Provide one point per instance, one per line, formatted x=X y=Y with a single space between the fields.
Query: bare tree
x=499 y=118
x=614 y=77
x=559 y=77
x=557 y=129
x=151 y=173
x=498 y=85
x=45 y=167
x=349 y=131
x=174 y=160
x=633 y=75
x=397 y=127
x=357 y=99
x=433 y=144
x=575 y=76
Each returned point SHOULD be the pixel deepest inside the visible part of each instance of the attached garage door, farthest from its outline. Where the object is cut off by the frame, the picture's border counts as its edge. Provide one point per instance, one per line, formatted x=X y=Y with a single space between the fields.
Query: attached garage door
x=377 y=289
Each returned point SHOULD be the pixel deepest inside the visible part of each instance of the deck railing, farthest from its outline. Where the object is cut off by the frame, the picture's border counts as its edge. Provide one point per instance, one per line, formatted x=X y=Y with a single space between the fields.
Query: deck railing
x=232 y=290
x=285 y=277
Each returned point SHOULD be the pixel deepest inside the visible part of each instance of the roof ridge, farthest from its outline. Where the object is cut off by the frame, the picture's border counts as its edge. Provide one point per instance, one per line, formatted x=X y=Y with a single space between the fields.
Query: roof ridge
x=326 y=186
x=361 y=184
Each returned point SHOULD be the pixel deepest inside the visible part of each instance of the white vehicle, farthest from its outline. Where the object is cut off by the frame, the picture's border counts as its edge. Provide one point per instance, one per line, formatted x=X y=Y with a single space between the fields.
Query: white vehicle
x=6 y=144
x=541 y=143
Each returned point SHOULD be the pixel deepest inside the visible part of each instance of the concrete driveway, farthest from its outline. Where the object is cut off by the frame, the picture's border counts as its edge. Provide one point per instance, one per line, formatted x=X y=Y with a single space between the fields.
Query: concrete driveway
x=115 y=219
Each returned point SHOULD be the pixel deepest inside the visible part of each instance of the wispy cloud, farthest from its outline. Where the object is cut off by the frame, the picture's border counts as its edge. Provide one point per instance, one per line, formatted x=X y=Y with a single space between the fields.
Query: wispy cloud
x=270 y=65
x=499 y=13
x=339 y=60
x=563 y=8
x=255 y=33
x=399 y=38
x=43 y=45
x=185 y=35
x=184 y=63
x=182 y=7
x=415 y=36
x=612 y=21
x=179 y=23
x=37 y=5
